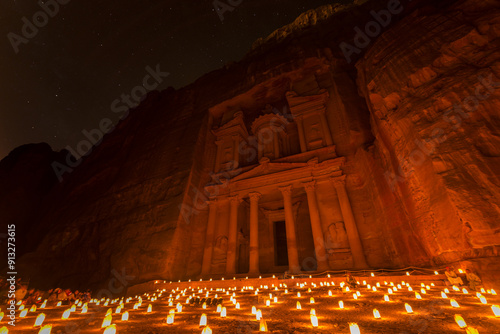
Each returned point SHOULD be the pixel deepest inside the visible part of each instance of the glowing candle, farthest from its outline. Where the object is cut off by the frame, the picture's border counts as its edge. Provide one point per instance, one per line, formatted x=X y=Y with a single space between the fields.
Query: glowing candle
x=454 y=303
x=59 y=303
x=84 y=308
x=471 y=330
x=355 y=296
x=417 y=295
x=275 y=299
x=268 y=302
x=408 y=308
x=446 y=290
x=219 y=308
x=493 y=292
x=410 y=289
x=109 y=311
x=66 y=314
x=203 y=320
x=313 y=312
x=118 y=310
x=298 y=294
x=436 y=273
x=125 y=316
x=1 y=316
x=311 y=300
x=464 y=291
x=4 y=330
x=23 y=313
x=460 y=321
x=170 y=319
x=44 y=304
x=496 y=310
x=389 y=291
x=376 y=314
x=347 y=289
x=107 y=321
x=443 y=295
x=298 y=306
x=223 y=312
x=354 y=328
x=110 y=329
x=204 y=306
x=330 y=293
x=314 y=320
x=179 y=307
x=44 y=330
x=33 y=308
x=263 y=325
x=39 y=320
x=386 y=298
x=258 y=315
x=341 y=304
x=483 y=300
x=206 y=330
x=237 y=306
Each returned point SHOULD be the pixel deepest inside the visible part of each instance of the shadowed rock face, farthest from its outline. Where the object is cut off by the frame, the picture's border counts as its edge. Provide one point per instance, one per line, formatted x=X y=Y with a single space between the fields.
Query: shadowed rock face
x=422 y=175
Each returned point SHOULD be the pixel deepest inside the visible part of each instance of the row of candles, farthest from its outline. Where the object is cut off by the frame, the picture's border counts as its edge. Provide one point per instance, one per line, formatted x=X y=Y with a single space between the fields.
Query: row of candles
x=191 y=293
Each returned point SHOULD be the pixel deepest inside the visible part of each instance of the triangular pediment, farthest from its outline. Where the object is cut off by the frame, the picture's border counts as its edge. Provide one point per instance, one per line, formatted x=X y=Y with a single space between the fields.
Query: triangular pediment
x=268 y=168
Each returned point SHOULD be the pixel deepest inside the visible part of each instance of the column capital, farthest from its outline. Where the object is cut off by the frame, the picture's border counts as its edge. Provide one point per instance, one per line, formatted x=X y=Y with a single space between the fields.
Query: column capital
x=286 y=190
x=310 y=186
x=211 y=201
x=338 y=181
x=254 y=196
x=236 y=199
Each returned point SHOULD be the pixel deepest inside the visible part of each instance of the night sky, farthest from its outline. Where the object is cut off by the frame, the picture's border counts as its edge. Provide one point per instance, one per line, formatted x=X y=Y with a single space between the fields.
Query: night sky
x=64 y=77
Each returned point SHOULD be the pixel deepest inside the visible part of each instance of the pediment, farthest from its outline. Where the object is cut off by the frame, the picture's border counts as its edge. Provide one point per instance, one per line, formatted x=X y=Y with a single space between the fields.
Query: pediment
x=268 y=168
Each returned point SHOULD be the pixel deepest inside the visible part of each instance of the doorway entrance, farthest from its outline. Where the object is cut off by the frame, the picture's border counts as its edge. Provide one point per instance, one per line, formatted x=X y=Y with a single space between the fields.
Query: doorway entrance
x=280 y=244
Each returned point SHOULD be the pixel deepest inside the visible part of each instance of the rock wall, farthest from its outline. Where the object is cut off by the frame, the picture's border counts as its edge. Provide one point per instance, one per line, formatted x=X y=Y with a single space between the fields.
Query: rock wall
x=422 y=180
x=432 y=83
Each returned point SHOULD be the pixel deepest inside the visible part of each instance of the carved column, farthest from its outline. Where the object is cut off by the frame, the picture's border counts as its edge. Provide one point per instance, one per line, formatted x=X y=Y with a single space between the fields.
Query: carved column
x=209 y=238
x=302 y=137
x=233 y=236
x=236 y=151
x=293 y=253
x=317 y=230
x=219 y=155
x=326 y=129
x=350 y=224
x=254 y=233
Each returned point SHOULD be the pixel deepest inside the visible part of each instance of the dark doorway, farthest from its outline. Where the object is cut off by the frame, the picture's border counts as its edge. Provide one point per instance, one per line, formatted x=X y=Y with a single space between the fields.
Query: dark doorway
x=280 y=245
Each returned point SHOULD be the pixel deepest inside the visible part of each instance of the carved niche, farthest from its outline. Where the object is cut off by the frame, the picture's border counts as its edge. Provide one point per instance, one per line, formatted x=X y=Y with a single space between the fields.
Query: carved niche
x=229 y=137
x=270 y=130
x=312 y=125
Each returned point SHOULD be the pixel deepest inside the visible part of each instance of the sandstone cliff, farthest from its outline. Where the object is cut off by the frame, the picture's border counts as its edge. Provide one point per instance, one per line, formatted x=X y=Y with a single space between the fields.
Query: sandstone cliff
x=423 y=181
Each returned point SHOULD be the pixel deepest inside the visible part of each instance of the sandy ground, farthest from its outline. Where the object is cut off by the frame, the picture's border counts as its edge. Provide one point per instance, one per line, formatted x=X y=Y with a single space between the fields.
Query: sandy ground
x=432 y=314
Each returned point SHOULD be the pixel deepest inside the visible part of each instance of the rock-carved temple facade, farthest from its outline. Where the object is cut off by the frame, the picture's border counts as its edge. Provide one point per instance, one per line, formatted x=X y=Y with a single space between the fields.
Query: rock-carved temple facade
x=285 y=195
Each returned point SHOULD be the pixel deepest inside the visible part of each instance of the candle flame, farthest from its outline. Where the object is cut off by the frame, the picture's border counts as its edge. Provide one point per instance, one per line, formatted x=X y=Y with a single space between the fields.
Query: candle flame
x=110 y=329
x=341 y=304
x=263 y=325
x=206 y=330
x=125 y=316
x=376 y=314
x=454 y=303
x=44 y=330
x=107 y=321
x=408 y=308
x=496 y=310
x=203 y=320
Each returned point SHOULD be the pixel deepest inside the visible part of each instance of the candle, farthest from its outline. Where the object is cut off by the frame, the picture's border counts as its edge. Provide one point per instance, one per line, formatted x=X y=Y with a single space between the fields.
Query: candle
x=376 y=314
x=298 y=306
x=408 y=308
x=311 y=300
x=417 y=295
x=203 y=320
x=66 y=314
x=454 y=303
x=107 y=321
x=125 y=316
x=258 y=315
x=496 y=310
x=170 y=319
x=110 y=330
x=223 y=312
x=341 y=304
x=44 y=330
x=23 y=313
x=471 y=330
x=39 y=320
x=443 y=295
x=354 y=328
x=263 y=325
x=314 y=320
x=206 y=330
x=4 y=330
x=460 y=321
x=386 y=298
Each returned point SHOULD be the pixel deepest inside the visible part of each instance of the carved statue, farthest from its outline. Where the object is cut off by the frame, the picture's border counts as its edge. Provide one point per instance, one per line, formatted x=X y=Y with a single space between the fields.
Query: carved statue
x=220 y=250
x=338 y=236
